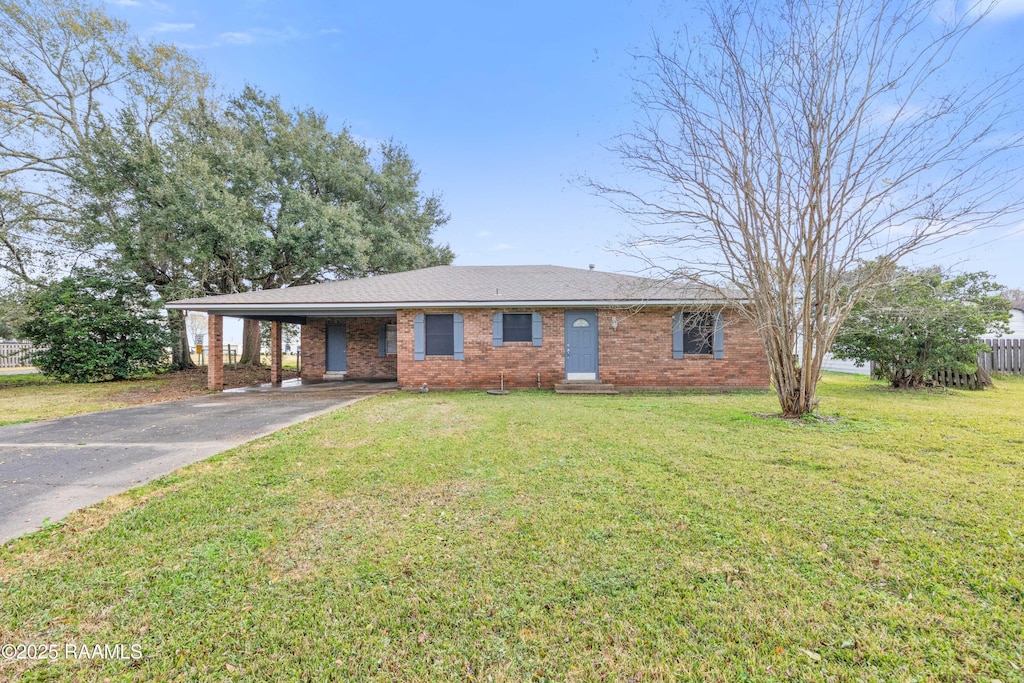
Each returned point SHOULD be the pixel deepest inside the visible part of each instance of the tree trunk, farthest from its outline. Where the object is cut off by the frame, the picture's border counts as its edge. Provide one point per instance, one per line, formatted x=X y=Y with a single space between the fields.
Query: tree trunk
x=795 y=385
x=798 y=395
x=181 y=356
x=250 y=344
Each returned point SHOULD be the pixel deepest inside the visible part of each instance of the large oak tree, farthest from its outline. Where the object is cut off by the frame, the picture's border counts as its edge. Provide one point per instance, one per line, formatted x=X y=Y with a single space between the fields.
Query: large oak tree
x=65 y=68
x=253 y=196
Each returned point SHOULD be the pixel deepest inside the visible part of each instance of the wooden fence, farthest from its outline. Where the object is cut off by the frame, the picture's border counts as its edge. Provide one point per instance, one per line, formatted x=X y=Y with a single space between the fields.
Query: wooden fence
x=961 y=380
x=1007 y=356
x=15 y=354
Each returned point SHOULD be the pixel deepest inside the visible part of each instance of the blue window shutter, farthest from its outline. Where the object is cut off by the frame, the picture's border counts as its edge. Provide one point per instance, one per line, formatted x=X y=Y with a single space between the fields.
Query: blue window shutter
x=419 y=338
x=538 y=330
x=677 y=335
x=457 y=331
x=382 y=340
x=719 y=346
x=498 y=328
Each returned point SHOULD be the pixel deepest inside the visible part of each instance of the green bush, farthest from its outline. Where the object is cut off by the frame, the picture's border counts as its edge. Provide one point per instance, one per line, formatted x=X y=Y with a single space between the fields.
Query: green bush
x=93 y=326
x=920 y=322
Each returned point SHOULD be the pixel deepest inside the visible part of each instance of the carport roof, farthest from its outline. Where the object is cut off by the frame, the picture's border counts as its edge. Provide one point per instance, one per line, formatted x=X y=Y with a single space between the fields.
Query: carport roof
x=451 y=286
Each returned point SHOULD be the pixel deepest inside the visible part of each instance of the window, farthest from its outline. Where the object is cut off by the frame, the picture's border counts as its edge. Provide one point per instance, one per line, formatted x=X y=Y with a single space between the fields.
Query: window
x=440 y=335
x=517 y=327
x=698 y=328
x=391 y=339
x=698 y=334
x=387 y=340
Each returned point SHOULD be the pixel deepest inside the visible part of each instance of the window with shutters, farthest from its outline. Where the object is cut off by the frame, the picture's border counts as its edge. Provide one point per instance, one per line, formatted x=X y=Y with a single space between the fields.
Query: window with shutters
x=517 y=327
x=440 y=335
x=698 y=332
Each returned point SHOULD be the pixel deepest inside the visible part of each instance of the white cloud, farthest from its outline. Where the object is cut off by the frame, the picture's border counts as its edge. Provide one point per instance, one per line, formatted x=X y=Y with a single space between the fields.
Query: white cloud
x=483 y=233
x=944 y=10
x=171 y=28
x=237 y=38
x=895 y=113
x=329 y=31
x=501 y=246
x=125 y=3
x=997 y=9
x=258 y=35
x=1004 y=9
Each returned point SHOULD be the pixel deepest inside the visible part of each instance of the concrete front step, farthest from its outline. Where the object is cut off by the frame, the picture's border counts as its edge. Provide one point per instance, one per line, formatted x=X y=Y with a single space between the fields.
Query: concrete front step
x=585 y=387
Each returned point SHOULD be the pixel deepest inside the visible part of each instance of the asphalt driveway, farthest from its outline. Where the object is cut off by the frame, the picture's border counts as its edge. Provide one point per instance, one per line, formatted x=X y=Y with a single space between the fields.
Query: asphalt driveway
x=53 y=467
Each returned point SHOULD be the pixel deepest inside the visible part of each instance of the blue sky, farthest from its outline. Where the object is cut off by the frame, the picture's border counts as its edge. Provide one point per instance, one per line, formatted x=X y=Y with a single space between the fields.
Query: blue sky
x=500 y=104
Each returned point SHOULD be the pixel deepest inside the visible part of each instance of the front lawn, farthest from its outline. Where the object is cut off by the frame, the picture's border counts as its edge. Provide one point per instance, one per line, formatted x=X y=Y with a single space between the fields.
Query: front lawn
x=29 y=397
x=535 y=536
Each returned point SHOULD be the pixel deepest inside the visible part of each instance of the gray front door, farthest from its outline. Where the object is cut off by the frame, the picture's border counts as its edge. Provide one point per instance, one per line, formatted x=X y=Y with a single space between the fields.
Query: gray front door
x=336 y=348
x=580 y=345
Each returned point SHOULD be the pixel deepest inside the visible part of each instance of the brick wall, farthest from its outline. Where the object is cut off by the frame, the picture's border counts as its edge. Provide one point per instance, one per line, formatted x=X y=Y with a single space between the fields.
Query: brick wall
x=313 y=339
x=520 y=361
x=215 y=352
x=363 y=361
x=637 y=354
x=361 y=352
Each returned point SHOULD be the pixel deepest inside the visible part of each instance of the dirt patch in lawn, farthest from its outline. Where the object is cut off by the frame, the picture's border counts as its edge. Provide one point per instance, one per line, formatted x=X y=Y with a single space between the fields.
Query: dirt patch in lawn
x=188 y=383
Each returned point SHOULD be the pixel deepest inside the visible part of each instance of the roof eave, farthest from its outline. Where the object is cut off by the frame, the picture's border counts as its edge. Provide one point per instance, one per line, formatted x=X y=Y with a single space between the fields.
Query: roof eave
x=199 y=305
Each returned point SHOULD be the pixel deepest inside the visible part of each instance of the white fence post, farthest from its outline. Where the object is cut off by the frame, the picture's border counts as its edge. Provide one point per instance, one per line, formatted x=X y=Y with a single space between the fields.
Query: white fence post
x=15 y=354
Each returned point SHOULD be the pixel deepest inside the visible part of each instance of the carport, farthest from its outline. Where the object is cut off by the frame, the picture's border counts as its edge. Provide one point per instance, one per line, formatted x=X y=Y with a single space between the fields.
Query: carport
x=337 y=342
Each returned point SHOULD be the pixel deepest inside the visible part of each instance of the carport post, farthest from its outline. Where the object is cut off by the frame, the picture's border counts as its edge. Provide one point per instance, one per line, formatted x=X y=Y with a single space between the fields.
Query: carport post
x=215 y=355
x=275 y=352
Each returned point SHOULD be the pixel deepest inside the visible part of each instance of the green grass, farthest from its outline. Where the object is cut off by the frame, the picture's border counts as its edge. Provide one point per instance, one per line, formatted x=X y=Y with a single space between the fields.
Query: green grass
x=22 y=380
x=544 y=537
x=25 y=398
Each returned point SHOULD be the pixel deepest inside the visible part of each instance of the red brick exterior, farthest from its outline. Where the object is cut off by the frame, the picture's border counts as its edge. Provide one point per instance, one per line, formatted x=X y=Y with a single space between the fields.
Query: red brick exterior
x=313 y=344
x=520 y=361
x=363 y=362
x=361 y=353
x=215 y=352
x=276 y=375
x=638 y=354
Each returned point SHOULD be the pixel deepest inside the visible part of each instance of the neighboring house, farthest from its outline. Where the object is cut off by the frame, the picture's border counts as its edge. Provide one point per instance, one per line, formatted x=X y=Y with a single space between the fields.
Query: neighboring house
x=833 y=364
x=15 y=354
x=1016 y=324
x=466 y=326
x=850 y=367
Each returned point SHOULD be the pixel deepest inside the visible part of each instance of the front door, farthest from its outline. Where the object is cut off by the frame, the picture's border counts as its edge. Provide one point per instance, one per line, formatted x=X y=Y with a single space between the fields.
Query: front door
x=580 y=345
x=336 y=348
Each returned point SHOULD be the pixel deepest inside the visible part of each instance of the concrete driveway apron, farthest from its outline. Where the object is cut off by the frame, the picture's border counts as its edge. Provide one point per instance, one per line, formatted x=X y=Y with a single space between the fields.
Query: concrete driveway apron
x=53 y=467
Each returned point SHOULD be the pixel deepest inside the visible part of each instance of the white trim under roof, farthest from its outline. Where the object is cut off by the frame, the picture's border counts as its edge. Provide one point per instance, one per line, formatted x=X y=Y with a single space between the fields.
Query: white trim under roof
x=376 y=308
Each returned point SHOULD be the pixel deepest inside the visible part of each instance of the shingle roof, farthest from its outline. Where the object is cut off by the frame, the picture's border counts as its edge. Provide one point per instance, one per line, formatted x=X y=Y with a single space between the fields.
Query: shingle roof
x=466 y=284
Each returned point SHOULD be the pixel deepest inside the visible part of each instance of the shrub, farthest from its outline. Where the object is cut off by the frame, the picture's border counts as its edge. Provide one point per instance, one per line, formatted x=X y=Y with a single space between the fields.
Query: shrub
x=93 y=326
x=920 y=322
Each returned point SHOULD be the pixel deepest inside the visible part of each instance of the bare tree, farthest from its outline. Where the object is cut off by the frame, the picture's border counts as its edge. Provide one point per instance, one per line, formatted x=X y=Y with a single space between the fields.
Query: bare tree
x=1015 y=296
x=797 y=149
x=65 y=67
x=197 y=324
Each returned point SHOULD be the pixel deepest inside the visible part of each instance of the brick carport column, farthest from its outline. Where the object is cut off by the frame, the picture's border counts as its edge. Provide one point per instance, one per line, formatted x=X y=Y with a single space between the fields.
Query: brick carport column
x=215 y=353
x=275 y=353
